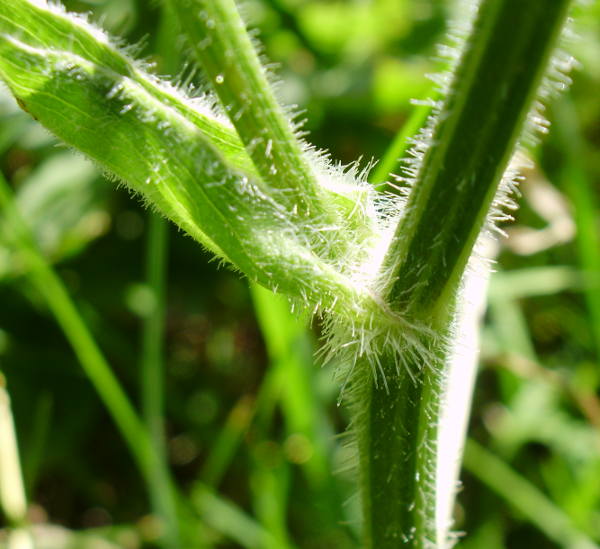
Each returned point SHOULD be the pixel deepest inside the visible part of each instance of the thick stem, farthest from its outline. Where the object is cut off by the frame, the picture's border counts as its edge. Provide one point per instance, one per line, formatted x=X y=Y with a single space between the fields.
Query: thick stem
x=476 y=132
x=477 y=129
x=397 y=439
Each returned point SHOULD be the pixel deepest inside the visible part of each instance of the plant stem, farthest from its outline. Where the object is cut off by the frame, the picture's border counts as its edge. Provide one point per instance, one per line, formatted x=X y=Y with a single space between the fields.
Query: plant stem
x=478 y=127
x=220 y=42
x=290 y=352
x=397 y=439
x=476 y=132
x=153 y=371
x=391 y=161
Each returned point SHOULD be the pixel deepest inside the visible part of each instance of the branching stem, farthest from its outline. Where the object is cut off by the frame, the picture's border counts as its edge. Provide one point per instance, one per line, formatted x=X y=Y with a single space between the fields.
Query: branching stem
x=473 y=140
x=259 y=202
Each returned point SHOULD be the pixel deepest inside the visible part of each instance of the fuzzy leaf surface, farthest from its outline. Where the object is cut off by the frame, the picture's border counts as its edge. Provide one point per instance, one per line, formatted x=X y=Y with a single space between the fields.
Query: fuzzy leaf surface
x=178 y=154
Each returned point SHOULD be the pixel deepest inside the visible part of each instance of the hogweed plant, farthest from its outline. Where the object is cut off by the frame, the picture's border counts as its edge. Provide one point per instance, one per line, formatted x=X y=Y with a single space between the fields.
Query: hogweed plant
x=383 y=267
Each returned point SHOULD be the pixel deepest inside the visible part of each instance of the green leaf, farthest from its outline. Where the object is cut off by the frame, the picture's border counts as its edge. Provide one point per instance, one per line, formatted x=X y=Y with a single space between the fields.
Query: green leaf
x=314 y=195
x=176 y=153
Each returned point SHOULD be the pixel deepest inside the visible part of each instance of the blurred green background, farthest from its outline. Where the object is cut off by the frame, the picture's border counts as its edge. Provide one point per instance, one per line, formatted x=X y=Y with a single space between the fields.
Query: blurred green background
x=252 y=420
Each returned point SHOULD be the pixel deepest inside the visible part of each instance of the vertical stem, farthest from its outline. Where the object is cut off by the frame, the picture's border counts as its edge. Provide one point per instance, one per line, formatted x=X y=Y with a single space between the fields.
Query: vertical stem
x=153 y=375
x=478 y=126
x=397 y=442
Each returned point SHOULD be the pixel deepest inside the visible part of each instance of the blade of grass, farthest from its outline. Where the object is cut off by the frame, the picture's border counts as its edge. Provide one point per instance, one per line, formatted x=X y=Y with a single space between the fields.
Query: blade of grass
x=286 y=382
x=513 y=336
x=270 y=472
x=230 y=520
x=391 y=163
x=524 y=497
x=95 y=366
x=535 y=281
x=580 y=190
x=237 y=424
x=225 y=447
x=269 y=487
x=510 y=323
x=223 y=451
x=152 y=371
x=290 y=351
x=271 y=529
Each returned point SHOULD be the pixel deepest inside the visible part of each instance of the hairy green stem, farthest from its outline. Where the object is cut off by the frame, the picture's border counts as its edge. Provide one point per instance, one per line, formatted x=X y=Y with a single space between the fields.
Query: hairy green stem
x=257 y=201
x=220 y=42
x=474 y=137
x=396 y=426
x=478 y=126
